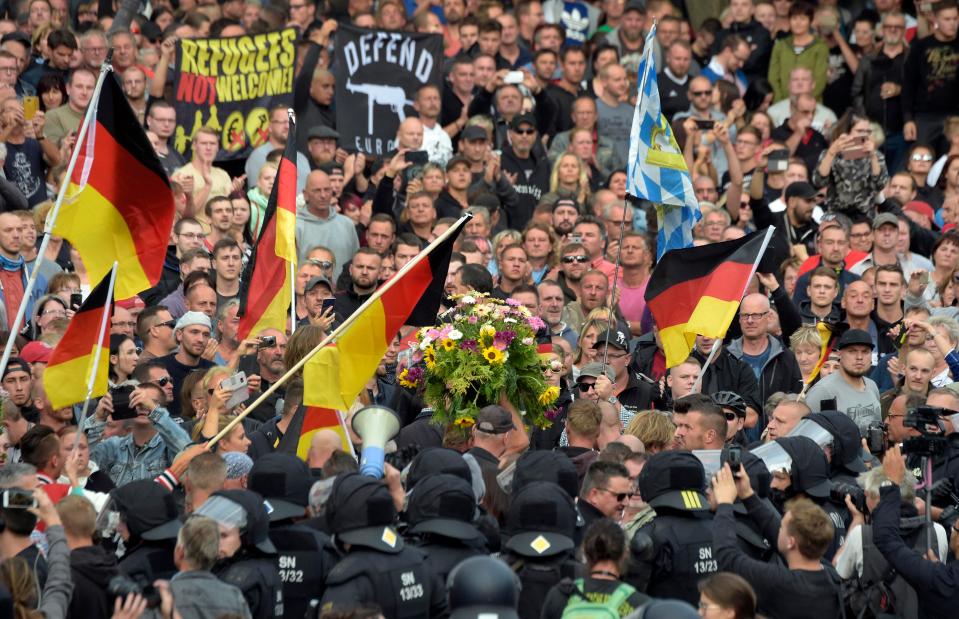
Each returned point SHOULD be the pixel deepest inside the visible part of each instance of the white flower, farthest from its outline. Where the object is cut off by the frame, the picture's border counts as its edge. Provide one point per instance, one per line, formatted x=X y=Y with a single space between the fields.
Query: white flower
x=425 y=343
x=509 y=320
x=455 y=334
x=469 y=300
x=527 y=341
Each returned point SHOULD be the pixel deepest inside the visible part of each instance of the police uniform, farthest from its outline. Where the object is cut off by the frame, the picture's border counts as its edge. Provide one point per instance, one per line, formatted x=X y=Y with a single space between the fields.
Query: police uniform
x=494 y=596
x=376 y=566
x=303 y=558
x=540 y=523
x=440 y=515
x=681 y=551
x=150 y=513
x=253 y=569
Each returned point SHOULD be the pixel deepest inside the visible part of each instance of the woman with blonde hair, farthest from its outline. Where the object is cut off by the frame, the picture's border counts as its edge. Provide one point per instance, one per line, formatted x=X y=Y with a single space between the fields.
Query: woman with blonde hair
x=806 y=344
x=654 y=428
x=569 y=177
x=216 y=416
x=585 y=353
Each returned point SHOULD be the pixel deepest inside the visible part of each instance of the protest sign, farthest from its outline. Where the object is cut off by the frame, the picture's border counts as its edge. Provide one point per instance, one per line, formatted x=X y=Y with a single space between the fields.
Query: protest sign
x=377 y=76
x=230 y=85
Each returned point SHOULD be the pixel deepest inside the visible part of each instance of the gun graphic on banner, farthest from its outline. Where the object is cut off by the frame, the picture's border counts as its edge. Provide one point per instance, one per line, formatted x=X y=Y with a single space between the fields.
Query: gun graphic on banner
x=393 y=96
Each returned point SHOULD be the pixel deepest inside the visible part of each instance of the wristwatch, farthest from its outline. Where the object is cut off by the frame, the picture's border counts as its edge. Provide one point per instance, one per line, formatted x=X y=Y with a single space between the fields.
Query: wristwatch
x=612 y=400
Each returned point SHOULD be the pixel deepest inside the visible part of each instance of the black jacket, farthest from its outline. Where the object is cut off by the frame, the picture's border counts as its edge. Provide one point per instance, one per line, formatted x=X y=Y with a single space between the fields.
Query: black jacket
x=91 y=569
x=759 y=40
x=169 y=279
x=727 y=373
x=780 y=373
x=529 y=188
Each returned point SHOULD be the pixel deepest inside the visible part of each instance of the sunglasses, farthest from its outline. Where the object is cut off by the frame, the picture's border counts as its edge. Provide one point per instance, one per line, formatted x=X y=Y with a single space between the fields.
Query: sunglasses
x=524 y=131
x=585 y=387
x=730 y=416
x=572 y=259
x=620 y=496
x=921 y=157
x=323 y=264
x=163 y=382
x=700 y=93
x=170 y=323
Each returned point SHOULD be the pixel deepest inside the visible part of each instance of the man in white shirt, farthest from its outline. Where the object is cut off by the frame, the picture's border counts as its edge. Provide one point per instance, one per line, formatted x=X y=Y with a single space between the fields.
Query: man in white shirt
x=436 y=142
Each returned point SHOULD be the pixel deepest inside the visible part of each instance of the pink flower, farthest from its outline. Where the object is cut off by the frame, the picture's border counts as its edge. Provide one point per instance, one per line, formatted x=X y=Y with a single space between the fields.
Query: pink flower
x=536 y=323
x=513 y=302
x=473 y=320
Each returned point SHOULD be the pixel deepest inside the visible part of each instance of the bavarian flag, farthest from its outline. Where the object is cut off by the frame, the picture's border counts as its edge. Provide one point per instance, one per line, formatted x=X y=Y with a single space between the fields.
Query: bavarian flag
x=696 y=291
x=67 y=375
x=118 y=206
x=338 y=372
x=266 y=282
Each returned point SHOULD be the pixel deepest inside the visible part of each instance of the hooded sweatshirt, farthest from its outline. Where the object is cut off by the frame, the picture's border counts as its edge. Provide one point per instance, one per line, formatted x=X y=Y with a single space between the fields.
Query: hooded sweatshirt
x=91 y=569
x=335 y=232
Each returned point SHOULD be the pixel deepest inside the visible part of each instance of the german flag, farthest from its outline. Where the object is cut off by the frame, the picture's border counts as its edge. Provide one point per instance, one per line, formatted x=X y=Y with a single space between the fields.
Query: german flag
x=119 y=206
x=338 y=372
x=696 y=291
x=829 y=333
x=309 y=420
x=266 y=283
x=67 y=375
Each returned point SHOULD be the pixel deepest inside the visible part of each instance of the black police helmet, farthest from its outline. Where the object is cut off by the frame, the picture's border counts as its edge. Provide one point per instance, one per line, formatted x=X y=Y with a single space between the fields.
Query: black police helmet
x=284 y=481
x=256 y=533
x=810 y=469
x=664 y=609
x=730 y=399
x=360 y=511
x=541 y=521
x=497 y=591
x=847 y=443
x=543 y=465
x=148 y=509
x=433 y=460
x=674 y=479
x=444 y=505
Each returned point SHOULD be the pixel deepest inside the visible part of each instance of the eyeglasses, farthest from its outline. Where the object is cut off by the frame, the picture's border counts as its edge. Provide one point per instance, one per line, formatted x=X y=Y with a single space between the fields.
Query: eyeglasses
x=921 y=157
x=585 y=387
x=751 y=317
x=572 y=259
x=524 y=131
x=615 y=357
x=700 y=93
x=163 y=382
x=620 y=496
x=169 y=323
x=326 y=265
x=192 y=235
x=55 y=312
x=138 y=350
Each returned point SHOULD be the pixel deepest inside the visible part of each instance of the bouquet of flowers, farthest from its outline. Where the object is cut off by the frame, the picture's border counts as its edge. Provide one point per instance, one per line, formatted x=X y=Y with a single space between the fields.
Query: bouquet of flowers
x=483 y=349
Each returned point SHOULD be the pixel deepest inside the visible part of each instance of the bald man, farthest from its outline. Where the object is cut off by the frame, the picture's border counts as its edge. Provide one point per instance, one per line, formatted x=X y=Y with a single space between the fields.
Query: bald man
x=774 y=366
x=409 y=134
x=632 y=442
x=324 y=443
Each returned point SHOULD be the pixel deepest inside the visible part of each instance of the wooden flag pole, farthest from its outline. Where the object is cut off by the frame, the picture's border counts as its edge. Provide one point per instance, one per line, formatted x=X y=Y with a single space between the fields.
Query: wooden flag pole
x=14 y=326
x=343 y=327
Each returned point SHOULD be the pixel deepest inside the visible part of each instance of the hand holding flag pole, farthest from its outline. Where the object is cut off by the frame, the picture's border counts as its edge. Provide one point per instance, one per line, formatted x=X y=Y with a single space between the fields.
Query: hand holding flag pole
x=14 y=326
x=398 y=277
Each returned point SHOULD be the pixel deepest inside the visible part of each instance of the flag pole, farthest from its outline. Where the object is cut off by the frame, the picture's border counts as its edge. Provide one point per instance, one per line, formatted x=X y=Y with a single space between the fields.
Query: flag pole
x=96 y=357
x=343 y=327
x=719 y=340
x=105 y=68
x=622 y=224
x=291 y=115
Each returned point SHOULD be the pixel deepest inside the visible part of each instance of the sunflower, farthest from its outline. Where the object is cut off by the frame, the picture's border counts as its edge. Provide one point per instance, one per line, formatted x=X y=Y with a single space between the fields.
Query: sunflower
x=487 y=332
x=549 y=395
x=464 y=422
x=448 y=345
x=429 y=356
x=404 y=379
x=493 y=356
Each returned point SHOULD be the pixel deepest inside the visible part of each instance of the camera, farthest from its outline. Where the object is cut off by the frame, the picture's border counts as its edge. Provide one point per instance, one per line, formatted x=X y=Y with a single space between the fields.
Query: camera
x=876 y=439
x=121 y=586
x=267 y=341
x=18 y=498
x=926 y=419
x=733 y=456
x=121 y=403
x=838 y=492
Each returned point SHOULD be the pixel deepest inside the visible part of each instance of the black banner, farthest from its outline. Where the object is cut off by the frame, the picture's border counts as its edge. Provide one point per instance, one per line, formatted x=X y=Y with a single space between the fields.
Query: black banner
x=377 y=75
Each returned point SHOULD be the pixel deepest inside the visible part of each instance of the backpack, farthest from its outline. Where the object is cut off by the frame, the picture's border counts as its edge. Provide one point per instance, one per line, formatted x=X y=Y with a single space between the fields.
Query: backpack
x=581 y=607
x=881 y=593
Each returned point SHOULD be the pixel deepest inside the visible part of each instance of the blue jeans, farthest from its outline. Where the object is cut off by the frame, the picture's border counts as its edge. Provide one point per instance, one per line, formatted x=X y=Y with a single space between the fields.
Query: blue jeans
x=894 y=149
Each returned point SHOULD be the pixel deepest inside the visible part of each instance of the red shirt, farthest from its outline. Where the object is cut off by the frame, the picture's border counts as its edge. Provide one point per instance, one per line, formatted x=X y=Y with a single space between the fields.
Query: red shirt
x=11 y=283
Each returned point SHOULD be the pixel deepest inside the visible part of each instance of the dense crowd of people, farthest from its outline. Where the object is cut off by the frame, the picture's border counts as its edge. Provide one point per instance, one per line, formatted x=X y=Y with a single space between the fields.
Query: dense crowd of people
x=807 y=464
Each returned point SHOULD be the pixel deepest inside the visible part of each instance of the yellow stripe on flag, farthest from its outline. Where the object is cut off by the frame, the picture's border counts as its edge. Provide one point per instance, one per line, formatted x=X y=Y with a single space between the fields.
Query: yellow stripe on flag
x=66 y=383
x=711 y=318
x=336 y=375
x=277 y=313
x=100 y=234
x=286 y=236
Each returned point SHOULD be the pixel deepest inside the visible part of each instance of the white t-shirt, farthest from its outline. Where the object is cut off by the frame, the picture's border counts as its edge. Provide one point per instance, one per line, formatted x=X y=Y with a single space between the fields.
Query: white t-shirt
x=849 y=563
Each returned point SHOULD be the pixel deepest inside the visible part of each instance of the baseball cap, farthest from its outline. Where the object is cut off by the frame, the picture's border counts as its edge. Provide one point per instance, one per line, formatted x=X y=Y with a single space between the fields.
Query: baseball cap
x=494 y=419
x=36 y=352
x=134 y=302
x=474 y=132
x=595 y=370
x=316 y=281
x=566 y=202
x=16 y=364
x=853 y=337
x=884 y=218
x=457 y=160
x=322 y=132
x=615 y=337
x=523 y=119
x=800 y=189
x=921 y=208
x=193 y=318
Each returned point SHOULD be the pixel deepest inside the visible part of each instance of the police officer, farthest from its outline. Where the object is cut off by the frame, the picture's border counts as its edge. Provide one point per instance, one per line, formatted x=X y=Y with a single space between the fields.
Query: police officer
x=440 y=514
x=809 y=476
x=148 y=525
x=434 y=460
x=680 y=552
x=284 y=481
x=845 y=451
x=376 y=566
x=540 y=523
x=248 y=556
x=494 y=596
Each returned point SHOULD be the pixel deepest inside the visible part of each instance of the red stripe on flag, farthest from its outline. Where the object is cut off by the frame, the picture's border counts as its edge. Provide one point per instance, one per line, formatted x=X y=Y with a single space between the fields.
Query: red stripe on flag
x=316 y=418
x=675 y=305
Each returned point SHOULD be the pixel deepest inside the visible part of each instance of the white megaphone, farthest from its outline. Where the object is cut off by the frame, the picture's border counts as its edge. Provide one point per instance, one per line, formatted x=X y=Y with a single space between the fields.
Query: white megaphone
x=375 y=425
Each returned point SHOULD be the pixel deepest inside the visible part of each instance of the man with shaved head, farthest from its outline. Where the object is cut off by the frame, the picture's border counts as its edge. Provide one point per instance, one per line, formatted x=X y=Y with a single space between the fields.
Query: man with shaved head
x=774 y=365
